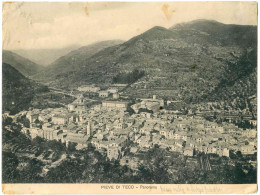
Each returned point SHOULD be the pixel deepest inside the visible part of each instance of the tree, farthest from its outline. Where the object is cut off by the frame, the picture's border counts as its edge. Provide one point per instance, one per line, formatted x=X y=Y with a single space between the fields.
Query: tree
x=7 y=121
x=25 y=121
x=239 y=154
x=9 y=167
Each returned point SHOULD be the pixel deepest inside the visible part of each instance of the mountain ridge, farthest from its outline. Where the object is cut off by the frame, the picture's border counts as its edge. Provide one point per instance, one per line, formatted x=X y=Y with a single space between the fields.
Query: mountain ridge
x=23 y=65
x=220 y=33
x=190 y=62
x=17 y=89
x=65 y=64
x=45 y=57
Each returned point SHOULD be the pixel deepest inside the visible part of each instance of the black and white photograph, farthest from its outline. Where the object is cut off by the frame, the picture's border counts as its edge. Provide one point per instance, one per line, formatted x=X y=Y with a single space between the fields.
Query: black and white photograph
x=129 y=93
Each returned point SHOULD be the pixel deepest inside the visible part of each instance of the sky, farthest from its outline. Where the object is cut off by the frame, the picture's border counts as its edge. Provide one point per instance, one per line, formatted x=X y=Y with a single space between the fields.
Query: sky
x=48 y=25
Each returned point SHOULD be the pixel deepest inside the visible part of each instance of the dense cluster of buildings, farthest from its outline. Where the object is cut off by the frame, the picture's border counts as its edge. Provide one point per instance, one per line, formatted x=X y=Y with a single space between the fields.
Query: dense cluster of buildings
x=96 y=91
x=219 y=111
x=107 y=125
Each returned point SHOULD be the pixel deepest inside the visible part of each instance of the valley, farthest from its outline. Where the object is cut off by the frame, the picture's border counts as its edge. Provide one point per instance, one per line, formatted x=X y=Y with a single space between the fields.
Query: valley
x=166 y=106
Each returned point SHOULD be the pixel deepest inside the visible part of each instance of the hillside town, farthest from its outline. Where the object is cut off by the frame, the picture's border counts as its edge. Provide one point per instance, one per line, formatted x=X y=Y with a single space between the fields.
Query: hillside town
x=119 y=129
x=129 y=95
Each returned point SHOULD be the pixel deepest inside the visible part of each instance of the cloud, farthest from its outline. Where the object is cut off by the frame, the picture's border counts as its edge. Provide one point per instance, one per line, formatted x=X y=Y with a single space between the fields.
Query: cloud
x=41 y=25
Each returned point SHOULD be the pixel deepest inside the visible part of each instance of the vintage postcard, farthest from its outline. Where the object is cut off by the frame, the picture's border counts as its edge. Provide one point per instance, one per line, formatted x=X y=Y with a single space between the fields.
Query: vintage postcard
x=129 y=97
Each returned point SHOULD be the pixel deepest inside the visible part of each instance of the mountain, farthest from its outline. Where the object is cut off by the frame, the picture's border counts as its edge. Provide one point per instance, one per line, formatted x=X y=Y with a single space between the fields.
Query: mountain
x=73 y=60
x=190 y=61
x=216 y=33
x=18 y=90
x=238 y=77
x=21 y=93
x=23 y=65
x=45 y=56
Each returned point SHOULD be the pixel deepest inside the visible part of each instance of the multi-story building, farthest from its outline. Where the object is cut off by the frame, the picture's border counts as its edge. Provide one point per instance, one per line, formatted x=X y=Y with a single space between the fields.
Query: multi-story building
x=89 y=88
x=60 y=119
x=115 y=105
x=103 y=94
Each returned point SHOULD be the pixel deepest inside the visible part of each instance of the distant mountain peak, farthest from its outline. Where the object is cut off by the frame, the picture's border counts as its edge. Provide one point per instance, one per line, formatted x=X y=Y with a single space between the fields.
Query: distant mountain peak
x=155 y=28
x=204 y=21
x=155 y=33
x=45 y=56
x=195 y=23
x=74 y=60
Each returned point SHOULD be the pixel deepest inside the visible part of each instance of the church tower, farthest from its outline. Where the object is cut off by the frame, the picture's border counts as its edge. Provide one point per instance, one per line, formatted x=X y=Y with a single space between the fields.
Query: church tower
x=89 y=130
x=81 y=99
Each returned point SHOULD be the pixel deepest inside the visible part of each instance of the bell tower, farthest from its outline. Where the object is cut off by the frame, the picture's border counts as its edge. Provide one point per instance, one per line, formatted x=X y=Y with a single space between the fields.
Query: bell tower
x=89 y=130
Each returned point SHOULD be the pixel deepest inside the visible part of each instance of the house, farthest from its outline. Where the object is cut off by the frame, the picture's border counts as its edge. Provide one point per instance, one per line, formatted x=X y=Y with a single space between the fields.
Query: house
x=145 y=131
x=81 y=145
x=179 y=143
x=89 y=88
x=100 y=136
x=130 y=122
x=170 y=135
x=144 y=142
x=150 y=105
x=103 y=94
x=51 y=134
x=34 y=132
x=175 y=148
x=163 y=132
x=191 y=143
x=118 y=142
x=113 y=153
x=253 y=122
x=115 y=105
x=116 y=96
x=35 y=125
x=180 y=135
x=133 y=150
x=249 y=133
x=95 y=142
x=248 y=149
x=136 y=107
x=188 y=151
x=197 y=138
x=184 y=137
x=167 y=144
x=156 y=140
x=44 y=118
x=71 y=107
x=119 y=125
x=131 y=162
x=252 y=142
x=60 y=119
x=211 y=150
x=225 y=152
x=75 y=137
x=136 y=137
x=220 y=129
x=112 y=90
x=103 y=145
x=181 y=126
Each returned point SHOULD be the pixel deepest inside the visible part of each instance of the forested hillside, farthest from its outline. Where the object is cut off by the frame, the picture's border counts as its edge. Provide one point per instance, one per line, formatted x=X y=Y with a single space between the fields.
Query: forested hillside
x=195 y=60
x=18 y=91
x=21 y=93
x=23 y=65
